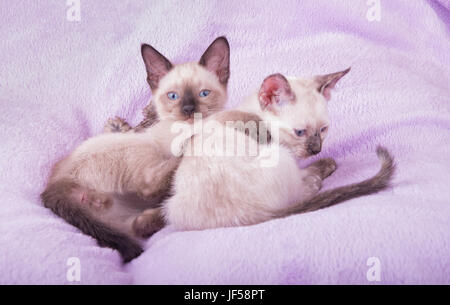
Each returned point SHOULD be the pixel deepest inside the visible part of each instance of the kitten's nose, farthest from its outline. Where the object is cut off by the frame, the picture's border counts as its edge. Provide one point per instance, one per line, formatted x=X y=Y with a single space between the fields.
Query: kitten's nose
x=188 y=109
x=314 y=145
x=314 y=150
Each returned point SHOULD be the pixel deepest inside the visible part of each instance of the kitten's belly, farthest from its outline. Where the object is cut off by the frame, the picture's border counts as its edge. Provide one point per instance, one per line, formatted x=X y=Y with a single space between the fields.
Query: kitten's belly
x=231 y=191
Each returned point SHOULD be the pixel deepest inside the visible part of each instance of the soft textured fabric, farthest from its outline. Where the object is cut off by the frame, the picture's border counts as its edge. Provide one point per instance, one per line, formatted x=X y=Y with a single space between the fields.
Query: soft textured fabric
x=60 y=80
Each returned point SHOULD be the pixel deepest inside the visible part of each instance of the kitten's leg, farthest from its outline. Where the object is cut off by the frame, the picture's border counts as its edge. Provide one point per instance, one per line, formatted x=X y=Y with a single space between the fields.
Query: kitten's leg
x=81 y=208
x=148 y=223
x=94 y=200
x=116 y=124
x=66 y=190
x=323 y=167
x=155 y=183
x=154 y=180
x=150 y=118
x=261 y=134
x=315 y=173
x=91 y=199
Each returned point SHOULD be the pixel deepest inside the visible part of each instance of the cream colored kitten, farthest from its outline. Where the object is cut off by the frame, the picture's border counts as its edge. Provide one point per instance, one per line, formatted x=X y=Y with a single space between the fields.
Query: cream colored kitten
x=110 y=179
x=238 y=190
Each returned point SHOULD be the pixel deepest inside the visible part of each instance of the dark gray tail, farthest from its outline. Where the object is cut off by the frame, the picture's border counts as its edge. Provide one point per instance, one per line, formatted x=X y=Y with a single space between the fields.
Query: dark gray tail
x=331 y=197
x=57 y=197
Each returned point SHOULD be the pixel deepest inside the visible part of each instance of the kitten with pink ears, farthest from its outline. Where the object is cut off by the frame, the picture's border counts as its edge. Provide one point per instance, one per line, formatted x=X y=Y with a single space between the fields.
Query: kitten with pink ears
x=236 y=190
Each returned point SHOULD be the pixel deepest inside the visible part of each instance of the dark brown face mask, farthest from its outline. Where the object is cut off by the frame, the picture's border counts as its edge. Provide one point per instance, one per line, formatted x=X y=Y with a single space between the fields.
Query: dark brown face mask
x=188 y=103
x=314 y=144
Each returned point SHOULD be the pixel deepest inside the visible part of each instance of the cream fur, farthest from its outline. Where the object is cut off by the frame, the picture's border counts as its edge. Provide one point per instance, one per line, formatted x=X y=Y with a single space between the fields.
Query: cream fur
x=117 y=162
x=116 y=165
x=233 y=191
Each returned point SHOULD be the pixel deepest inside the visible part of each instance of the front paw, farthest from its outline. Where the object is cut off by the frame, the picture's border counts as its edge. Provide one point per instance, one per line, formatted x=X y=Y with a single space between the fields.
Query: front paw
x=96 y=201
x=326 y=167
x=261 y=134
x=148 y=223
x=116 y=124
x=313 y=184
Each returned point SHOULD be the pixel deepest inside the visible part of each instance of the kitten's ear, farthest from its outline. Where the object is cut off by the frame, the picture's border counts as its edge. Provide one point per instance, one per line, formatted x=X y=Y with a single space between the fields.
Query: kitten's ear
x=325 y=83
x=156 y=65
x=275 y=91
x=217 y=59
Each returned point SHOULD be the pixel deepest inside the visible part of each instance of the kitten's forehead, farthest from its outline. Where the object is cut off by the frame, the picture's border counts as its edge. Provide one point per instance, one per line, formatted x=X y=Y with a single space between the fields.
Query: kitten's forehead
x=304 y=116
x=188 y=75
x=303 y=86
x=306 y=93
x=310 y=107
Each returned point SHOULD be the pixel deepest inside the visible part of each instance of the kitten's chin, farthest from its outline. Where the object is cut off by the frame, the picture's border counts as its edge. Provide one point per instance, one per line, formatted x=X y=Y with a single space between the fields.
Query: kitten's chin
x=190 y=118
x=302 y=154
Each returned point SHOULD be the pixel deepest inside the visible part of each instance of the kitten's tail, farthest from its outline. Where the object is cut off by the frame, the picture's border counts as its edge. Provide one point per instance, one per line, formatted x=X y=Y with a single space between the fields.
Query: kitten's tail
x=334 y=196
x=57 y=197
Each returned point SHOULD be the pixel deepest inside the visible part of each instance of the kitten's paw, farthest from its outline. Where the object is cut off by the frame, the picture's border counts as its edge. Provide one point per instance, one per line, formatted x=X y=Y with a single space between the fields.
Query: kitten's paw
x=325 y=167
x=116 y=124
x=313 y=184
x=254 y=128
x=147 y=186
x=148 y=223
x=260 y=134
x=96 y=200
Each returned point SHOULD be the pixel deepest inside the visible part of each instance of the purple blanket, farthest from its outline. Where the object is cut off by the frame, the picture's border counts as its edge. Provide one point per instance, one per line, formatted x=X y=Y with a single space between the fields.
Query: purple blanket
x=60 y=79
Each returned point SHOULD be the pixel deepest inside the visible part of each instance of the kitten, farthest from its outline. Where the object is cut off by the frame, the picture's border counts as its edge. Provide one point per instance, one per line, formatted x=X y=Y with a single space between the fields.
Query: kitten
x=237 y=190
x=110 y=179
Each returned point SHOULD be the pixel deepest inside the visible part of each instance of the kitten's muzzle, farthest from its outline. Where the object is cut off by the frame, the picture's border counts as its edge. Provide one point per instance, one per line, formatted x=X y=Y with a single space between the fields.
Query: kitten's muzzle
x=314 y=145
x=188 y=109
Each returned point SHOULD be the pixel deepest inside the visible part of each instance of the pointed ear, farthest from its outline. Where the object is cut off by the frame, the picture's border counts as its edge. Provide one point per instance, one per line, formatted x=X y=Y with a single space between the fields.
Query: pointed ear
x=156 y=65
x=274 y=92
x=217 y=59
x=325 y=83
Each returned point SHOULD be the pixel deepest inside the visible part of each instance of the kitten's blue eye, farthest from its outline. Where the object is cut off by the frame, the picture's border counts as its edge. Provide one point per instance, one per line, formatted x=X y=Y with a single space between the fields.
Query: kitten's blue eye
x=204 y=93
x=172 y=96
x=300 y=132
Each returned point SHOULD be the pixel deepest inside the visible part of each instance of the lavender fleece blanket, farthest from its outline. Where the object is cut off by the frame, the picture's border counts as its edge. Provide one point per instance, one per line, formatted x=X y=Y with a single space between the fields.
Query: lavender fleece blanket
x=60 y=80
